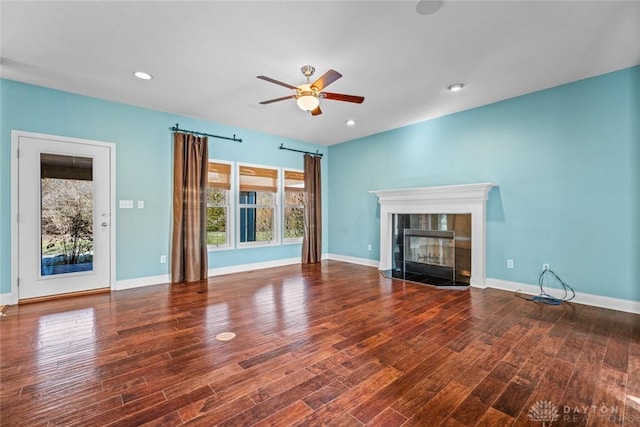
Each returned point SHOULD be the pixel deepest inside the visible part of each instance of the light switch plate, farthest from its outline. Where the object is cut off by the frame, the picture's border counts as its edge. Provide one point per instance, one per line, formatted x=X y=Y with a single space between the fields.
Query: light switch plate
x=126 y=204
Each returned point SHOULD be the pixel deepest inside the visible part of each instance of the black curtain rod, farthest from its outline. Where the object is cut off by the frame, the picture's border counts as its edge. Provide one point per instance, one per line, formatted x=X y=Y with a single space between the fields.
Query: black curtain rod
x=318 y=154
x=177 y=129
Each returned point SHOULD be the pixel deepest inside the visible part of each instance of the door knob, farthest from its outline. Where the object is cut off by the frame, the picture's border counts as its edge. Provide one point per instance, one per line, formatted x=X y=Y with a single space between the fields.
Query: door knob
x=104 y=224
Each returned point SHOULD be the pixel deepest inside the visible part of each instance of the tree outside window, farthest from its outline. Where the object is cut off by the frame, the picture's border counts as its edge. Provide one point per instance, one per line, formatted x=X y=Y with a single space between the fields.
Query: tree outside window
x=66 y=185
x=217 y=214
x=293 y=205
x=257 y=216
x=257 y=204
x=218 y=204
x=67 y=224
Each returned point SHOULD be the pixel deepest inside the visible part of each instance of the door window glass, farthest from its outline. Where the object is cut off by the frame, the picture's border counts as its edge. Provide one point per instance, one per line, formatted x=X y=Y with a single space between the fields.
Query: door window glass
x=66 y=214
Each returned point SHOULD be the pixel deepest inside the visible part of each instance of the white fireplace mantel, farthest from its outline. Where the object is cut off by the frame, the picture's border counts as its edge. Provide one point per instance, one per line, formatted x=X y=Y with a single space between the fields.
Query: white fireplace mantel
x=449 y=199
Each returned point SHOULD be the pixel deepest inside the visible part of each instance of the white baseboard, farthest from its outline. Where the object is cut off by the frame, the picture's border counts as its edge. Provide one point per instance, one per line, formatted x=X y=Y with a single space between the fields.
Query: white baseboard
x=5 y=299
x=212 y=272
x=628 y=306
x=581 y=298
x=354 y=260
x=253 y=266
x=140 y=282
x=478 y=283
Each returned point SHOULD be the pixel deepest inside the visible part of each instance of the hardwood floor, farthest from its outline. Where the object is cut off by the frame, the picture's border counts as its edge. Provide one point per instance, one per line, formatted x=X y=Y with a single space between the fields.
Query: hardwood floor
x=330 y=344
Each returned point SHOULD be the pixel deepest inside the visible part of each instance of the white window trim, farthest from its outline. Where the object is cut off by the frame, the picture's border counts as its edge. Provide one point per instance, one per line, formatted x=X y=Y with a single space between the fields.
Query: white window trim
x=277 y=217
x=290 y=241
x=231 y=243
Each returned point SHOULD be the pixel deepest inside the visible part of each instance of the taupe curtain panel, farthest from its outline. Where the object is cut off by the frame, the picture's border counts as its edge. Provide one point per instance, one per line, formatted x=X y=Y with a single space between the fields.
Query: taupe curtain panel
x=190 y=176
x=312 y=239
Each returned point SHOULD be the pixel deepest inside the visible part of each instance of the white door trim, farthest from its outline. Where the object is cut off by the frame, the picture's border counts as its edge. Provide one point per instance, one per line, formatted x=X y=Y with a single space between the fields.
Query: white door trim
x=15 y=137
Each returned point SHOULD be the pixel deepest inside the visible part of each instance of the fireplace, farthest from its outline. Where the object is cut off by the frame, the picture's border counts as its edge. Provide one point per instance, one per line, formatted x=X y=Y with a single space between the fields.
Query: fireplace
x=433 y=249
x=468 y=199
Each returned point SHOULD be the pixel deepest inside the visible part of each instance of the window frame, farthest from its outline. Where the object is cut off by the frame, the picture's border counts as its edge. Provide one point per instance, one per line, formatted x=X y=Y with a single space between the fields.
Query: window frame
x=230 y=226
x=277 y=217
x=291 y=240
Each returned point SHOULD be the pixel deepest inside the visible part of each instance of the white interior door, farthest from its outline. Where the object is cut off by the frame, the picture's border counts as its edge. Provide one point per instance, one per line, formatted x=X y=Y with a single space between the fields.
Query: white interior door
x=64 y=215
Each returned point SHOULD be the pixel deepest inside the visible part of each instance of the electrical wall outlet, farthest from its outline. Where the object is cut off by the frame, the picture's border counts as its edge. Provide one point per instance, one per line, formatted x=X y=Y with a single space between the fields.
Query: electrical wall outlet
x=163 y=259
x=546 y=266
x=509 y=263
x=369 y=247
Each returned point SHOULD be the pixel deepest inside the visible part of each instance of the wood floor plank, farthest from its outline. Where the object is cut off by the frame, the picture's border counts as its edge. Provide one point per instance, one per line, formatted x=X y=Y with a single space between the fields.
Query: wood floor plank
x=617 y=355
x=167 y=420
x=354 y=396
x=550 y=388
x=470 y=411
x=263 y=409
x=286 y=416
x=388 y=418
x=210 y=411
x=440 y=406
x=331 y=344
x=609 y=398
x=513 y=399
x=325 y=395
x=493 y=418
x=389 y=394
x=164 y=408
x=585 y=375
x=86 y=411
x=276 y=387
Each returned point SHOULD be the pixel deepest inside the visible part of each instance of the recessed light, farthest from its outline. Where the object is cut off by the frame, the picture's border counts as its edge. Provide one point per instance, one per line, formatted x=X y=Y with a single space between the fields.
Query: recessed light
x=428 y=7
x=350 y=123
x=142 y=75
x=456 y=87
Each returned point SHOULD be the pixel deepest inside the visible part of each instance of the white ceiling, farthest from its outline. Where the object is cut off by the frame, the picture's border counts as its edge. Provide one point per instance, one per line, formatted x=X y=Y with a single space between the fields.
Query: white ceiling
x=205 y=56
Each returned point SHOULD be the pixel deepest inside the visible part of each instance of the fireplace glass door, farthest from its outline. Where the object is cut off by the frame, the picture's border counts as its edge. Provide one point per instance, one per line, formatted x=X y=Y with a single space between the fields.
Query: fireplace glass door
x=433 y=249
x=431 y=253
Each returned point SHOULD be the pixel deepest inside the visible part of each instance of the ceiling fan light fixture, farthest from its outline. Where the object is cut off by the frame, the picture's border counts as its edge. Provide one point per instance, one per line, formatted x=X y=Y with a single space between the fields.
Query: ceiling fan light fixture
x=307 y=99
x=307 y=102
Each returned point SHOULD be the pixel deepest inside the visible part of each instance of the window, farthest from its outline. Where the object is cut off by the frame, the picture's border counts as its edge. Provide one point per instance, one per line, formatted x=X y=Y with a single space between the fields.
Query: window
x=293 y=206
x=257 y=204
x=218 y=204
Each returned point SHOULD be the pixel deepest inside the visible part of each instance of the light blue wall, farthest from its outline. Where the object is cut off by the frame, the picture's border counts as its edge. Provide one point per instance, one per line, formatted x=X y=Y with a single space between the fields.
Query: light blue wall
x=567 y=163
x=143 y=170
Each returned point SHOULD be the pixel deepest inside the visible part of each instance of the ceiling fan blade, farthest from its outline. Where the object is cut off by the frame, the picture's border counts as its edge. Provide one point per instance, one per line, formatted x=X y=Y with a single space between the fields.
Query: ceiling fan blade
x=326 y=79
x=343 y=97
x=316 y=111
x=277 y=99
x=269 y=79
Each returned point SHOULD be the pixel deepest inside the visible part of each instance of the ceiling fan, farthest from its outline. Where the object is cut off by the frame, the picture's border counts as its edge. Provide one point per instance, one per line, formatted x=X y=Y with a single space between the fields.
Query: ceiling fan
x=308 y=95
